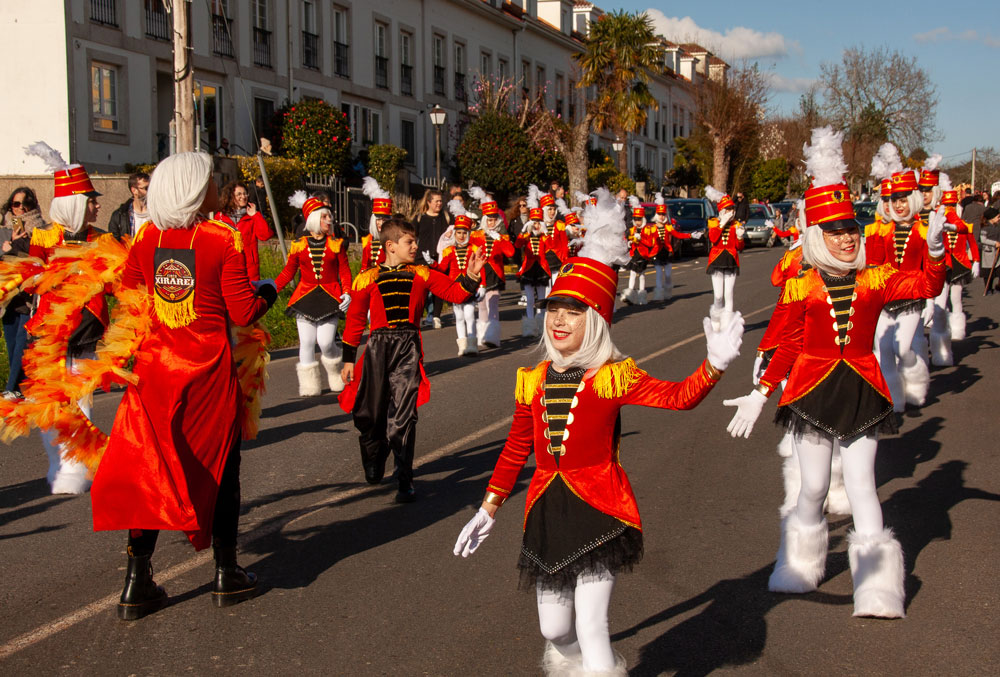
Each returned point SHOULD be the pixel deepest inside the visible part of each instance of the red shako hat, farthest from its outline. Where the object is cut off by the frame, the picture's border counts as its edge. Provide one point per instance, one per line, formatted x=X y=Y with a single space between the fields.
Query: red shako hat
x=949 y=197
x=382 y=206
x=311 y=205
x=535 y=214
x=904 y=181
x=828 y=200
x=572 y=219
x=885 y=188
x=546 y=200
x=662 y=208
x=587 y=281
x=830 y=207
x=929 y=178
x=73 y=181
x=463 y=222
x=490 y=208
x=638 y=212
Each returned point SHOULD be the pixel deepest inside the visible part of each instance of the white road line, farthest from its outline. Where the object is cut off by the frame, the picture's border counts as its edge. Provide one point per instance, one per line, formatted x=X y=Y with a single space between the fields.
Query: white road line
x=102 y=605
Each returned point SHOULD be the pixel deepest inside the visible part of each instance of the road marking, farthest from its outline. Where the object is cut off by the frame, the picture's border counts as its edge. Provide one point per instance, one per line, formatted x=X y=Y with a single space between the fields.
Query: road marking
x=101 y=606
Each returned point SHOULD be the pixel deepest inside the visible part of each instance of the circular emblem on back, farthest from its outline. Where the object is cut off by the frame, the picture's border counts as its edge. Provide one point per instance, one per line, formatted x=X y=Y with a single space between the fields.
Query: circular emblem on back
x=173 y=280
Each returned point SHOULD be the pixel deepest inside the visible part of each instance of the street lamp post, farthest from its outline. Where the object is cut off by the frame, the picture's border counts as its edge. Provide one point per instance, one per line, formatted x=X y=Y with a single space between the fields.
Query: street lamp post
x=438 y=116
x=617 y=146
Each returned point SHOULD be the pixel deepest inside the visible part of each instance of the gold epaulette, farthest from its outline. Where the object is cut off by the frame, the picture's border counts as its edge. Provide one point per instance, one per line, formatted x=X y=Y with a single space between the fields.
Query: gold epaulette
x=334 y=244
x=786 y=260
x=365 y=278
x=874 y=277
x=423 y=272
x=798 y=287
x=617 y=378
x=297 y=246
x=529 y=381
x=47 y=237
x=237 y=238
x=447 y=251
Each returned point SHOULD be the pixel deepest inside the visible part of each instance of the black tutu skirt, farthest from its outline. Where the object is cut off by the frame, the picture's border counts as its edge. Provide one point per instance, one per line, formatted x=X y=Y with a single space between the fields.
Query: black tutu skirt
x=638 y=263
x=725 y=262
x=895 y=308
x=565 y=537
x=534 y=276
x=315 y=306
x=662 y=257
x=959 y=274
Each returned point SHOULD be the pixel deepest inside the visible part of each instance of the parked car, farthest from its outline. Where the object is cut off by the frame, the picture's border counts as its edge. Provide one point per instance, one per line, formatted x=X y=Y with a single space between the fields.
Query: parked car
x=864 y=212
x=690 y=215
x=760 y=225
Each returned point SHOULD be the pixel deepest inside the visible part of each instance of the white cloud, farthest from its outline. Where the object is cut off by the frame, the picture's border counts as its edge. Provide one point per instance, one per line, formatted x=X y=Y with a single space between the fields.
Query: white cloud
x=945 y=34
x=736 y=43
x=780 y=83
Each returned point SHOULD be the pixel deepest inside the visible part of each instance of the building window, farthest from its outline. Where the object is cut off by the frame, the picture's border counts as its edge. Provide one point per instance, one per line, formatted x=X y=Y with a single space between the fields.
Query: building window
x=581 y=23
x=460 y=72
x=222 y=28
x=503 y=68
x=263 y=117
x=341 y=50
x=406 y=64
x=485 y=65
x=408 y=139
x=525 y=77
x=158 y=24
x=560 y=95
x=571 y=95
x=104 y=95
x=381 y=57
x=261 y=35
x=540 y=80
x=104 y=12
x=310 y=37
x=208 y=114
x=365 y=123
x=439 y=65
x=675 y=122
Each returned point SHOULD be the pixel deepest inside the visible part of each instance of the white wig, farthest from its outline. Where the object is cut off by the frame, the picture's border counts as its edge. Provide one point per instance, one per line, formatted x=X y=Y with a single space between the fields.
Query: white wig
x=177 y=188
x=313 y=220
x=69 y=212
x=596 y=350
x=816 y=254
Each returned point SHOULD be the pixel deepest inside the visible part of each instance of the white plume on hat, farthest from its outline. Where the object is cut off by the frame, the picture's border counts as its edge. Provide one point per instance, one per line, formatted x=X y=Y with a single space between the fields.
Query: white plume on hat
x=561 y=206
x=886 y=162
x=370 y=187
x=633 y=202
x=582 y=198
x=713 y=194
x=478 y=194
x=52 y=158
x=659 y=198
x=944 y=181
x=824 y=157
x=297 y=199
x=932 y=163
x=534 y=195
x=456 y=208
x=605 y=224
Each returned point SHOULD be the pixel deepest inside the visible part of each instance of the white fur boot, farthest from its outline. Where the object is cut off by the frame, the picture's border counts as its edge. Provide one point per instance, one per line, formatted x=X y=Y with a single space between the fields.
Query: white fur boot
x=333 y=365
x=555 y=664
x=801 y=560
x=878 y=573
x=792 y=476
x=715 y=314
x=941 y=355
x=640 y=298
x=956 y=320
x=629 y=295
x=491 y=338
x=64 y=476
x=481 y=333
x=620 y=670
x=916 y=381
x=463 y=345
x=310 y=384
x=658 y=294
x=836 y=498
x=473 y=347
x=527 y=326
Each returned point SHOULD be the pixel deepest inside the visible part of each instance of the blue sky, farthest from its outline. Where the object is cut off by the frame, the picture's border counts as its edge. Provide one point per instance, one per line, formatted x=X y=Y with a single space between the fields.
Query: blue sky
x=959 y=49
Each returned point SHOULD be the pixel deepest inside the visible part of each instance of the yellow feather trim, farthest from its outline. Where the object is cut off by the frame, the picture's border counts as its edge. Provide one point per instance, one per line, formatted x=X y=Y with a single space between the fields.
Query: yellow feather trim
x=365 y=278
x=614 y=380
x=874 y=277
x=797 y=288
x=334 y=244
x=422 y=271
x=298 y=246
x=47 y=237
x=529 y=381
x=252 y=358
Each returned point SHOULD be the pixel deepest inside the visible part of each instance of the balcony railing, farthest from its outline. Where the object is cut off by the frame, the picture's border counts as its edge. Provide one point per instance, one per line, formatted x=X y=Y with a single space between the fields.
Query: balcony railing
x=157 y=24
x=382 y=72
x=460 y=86
x=262 y=47
x=222 y=43
x=439 y=81
x=310 y=50
x=104 y=12
x=406 y=80
x=341 y=60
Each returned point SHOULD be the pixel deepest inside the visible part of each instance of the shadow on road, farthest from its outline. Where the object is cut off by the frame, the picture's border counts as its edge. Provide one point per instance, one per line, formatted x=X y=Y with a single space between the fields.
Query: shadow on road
x=22 y=492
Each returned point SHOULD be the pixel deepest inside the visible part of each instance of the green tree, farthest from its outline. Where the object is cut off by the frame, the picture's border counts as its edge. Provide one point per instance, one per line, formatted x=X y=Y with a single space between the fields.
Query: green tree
x=384 y=163
x=770 y=180
x=692 y=161
x=316 y=134
x=619 y=55
x=496 y=153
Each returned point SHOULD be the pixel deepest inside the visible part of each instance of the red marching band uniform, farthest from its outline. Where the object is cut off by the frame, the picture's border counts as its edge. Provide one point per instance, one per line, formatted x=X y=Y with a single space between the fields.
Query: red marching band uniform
x=324 y=272
x=372 y=253
x=724 y=241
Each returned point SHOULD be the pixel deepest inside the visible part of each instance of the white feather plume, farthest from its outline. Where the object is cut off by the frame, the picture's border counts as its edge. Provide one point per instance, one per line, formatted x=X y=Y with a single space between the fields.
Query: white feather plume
x=886 y=162
x=633 y=202
x=477 y=194
x=824 y=157
x=714 y=194
x=297 y=199
x=944 y=181
x=561 y=206
x=582 y=198
x=52 y=158
x=370 y=187
x=534 y=195
x=932 y=163
x=456 y=208
x=659 y=198
x=605 y=224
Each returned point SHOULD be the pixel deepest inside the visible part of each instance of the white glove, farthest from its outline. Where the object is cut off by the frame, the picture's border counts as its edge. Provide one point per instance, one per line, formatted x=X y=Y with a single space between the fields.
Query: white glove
x=748 y=410
x=527 y=227
x=427 y=257
x=637 y=237
x=975 y=269
x=345 y=302
x=935 y=229
x=474 y=533
x=740 y=231
x=724 y=345
x=758 y=369
x=726 y=216
x=494 y=235
x=698 y=234
x=480 y=293
x=769 y=223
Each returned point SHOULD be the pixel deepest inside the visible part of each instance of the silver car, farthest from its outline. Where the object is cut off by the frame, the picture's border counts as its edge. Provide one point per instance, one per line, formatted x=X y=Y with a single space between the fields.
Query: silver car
x=760 y=225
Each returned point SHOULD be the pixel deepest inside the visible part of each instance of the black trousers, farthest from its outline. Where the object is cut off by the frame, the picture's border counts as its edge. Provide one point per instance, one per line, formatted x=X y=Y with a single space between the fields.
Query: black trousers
x=385 y=409
x=225 y=521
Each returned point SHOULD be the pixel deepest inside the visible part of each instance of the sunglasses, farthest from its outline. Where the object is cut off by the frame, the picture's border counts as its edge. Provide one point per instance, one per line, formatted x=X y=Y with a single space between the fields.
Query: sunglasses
x=16 y=204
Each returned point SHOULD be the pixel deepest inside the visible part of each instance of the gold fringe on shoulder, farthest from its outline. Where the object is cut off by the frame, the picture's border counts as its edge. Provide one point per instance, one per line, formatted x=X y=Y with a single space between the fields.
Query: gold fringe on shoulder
x=529 y=381
x=797 y=288
x=237 y=238
x=786 y=260
x=365 y=278
x=874 y=277
x=617 y=378
x=298 y=246
x=334 y=244
x=423 y=272
x=47 y=237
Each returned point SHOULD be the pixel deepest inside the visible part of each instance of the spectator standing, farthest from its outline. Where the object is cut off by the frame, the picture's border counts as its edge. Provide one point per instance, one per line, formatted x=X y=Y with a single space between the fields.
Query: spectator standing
x=972 y=213
x=20 y=215
x=742 y=208
x=431 y=224
x=237 y=211
x=131 y=214
x=990 y=242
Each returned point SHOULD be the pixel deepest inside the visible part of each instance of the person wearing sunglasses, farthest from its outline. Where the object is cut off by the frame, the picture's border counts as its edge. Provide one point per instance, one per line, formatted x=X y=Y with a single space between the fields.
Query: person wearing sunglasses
x=20 y=216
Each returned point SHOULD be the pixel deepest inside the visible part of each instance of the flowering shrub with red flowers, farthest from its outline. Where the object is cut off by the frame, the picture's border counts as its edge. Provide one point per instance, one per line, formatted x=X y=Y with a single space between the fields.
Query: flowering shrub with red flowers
x=317 y=135
x=496 y=153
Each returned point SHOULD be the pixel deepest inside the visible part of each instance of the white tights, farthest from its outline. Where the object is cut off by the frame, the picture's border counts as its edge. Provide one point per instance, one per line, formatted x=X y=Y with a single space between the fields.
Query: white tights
x=723 y=286
x=664 y=275
x=465 y=319
x=575 y=619
x=64 y=475
x=531 y=293
x=815 y=452
x=633 y=276
x=311 y=333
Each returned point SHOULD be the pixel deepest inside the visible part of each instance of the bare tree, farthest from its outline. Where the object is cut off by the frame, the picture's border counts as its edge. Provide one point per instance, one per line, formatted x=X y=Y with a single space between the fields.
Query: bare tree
x=731 y=111
x=878 y=92
x=569 y=136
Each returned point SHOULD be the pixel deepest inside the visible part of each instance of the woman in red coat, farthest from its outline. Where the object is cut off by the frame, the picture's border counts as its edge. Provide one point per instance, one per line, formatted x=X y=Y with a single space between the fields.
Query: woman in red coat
x=238 y=212
x=582 y=523
x=726 y=235
x=173 y=459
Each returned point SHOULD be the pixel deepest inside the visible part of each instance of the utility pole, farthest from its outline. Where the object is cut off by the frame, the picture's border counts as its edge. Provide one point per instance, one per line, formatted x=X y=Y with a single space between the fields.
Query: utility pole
x=183 y=79
x=973 y=170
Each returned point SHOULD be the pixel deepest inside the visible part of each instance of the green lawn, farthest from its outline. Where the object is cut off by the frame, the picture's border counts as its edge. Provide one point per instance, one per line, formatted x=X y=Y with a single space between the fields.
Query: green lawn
x=4 y=370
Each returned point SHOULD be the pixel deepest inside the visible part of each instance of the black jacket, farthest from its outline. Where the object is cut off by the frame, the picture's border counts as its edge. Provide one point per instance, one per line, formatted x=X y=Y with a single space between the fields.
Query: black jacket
x=121 y=223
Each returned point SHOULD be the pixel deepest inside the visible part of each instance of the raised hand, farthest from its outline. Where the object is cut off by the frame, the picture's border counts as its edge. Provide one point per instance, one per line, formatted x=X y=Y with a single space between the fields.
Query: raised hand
x=724 y=344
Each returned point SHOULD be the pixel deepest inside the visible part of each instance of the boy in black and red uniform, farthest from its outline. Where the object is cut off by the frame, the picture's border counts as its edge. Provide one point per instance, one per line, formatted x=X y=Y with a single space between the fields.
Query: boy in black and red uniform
x=390 y=382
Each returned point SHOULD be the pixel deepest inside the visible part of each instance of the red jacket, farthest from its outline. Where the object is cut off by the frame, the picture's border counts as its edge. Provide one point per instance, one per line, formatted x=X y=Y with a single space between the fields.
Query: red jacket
x=367 y=261
x=450 y=264
x=332 y=275
x=175 y=427
x=666 y=233
x=875 y=241
x=914 y=250
x=724 y=239
x=533 y=248
x=961 y=243
x=649 y=242
x=252 y=229
x=590 y=465
x=786 y=269
x=496 y=251
x=557 y=241
x=809 y=346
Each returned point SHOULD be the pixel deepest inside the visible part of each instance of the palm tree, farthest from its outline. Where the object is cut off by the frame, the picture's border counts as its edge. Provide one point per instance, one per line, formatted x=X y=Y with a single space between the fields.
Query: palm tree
x=619 y=55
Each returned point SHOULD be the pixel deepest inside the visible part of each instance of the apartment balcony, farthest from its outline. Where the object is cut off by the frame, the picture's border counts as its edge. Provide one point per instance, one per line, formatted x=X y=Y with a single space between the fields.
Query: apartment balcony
x=406 y=80
x=104 y=12
x=222 y=42
x=158 y=24
x=341 y=60
x=439 y=87
x=262 y=48
x=460 y=94
x=310 y=50
x=382 y=72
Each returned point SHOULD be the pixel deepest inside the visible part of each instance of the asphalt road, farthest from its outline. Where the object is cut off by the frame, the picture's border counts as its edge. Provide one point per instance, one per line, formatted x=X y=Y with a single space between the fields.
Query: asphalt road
x=357 y=585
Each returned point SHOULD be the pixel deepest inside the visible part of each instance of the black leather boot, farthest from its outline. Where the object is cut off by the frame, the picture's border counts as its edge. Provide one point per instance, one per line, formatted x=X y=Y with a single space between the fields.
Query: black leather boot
x=140 y=596
x=233 y=583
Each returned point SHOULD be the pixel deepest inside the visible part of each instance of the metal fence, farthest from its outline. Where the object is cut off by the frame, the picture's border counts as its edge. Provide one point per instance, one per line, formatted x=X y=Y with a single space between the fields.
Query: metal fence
x=104 y=12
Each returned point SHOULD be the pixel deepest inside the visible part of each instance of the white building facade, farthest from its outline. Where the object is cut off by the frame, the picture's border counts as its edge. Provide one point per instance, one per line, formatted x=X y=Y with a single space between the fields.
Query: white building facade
x=102 y=87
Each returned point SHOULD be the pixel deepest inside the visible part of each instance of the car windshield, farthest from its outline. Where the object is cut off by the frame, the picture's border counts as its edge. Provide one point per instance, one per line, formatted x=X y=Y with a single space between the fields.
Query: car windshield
x=688 y=210
x=758 y=212
x=865 y=209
